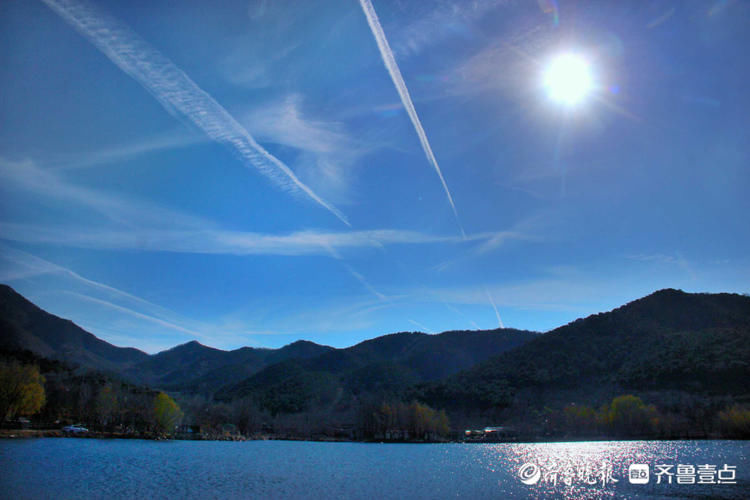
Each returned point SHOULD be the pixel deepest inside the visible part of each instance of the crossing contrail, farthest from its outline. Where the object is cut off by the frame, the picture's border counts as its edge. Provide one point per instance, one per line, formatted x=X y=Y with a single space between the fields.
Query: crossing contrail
x=494 y=306
x=177 y=93
x=390 y=63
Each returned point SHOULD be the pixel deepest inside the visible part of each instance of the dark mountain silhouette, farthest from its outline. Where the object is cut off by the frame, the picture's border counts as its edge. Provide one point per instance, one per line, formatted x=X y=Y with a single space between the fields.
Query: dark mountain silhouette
x=667 y=343
x=383 y=365
x=429 y=357
x=187 y=361
x=25 y=326
x=194 y=367
x=671 y=364
x=670 y=340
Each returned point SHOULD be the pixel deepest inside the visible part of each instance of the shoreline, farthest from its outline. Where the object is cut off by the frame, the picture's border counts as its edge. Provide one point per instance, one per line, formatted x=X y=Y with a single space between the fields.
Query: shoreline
x=58 y=433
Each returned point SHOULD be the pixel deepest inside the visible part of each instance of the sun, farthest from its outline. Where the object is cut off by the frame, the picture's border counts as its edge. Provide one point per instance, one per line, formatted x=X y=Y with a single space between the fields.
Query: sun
x=568 y=79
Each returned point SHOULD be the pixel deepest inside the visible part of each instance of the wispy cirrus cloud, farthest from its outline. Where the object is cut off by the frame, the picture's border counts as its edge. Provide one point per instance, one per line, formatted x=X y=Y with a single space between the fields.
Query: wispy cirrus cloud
x=284 y=123
x=390 y=63
x=144 y=226
x=660 y=258
x=447 y=18
x=517 y=51
x=111 y=313
x=251 y=66
x=177 y=93
x=217 y=241
x=359 y=277
x=49 y=184
x=542 y=294
x=463 y=315
x=494 y=307
x=146 y=317
x=164 y=142
x=22 y=265
x=19 y=266
x=421 y=326
x=561 y=293
x=529 y=229
x=327 y=152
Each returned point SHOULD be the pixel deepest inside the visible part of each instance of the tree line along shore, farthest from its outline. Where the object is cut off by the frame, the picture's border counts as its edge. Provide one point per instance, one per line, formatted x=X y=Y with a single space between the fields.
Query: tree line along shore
x=40 y=397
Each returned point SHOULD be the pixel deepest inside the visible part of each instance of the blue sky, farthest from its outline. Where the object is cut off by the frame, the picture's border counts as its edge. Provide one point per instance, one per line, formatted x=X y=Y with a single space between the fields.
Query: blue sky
x=253 y=173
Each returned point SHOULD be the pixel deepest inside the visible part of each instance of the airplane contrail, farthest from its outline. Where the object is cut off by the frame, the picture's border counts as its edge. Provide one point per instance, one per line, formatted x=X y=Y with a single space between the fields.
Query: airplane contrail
x=364 y=282
x=420 y=325
x=177 y=93
x=131 y=312
x=390 y=63
x=494 y=306
x=36 y=265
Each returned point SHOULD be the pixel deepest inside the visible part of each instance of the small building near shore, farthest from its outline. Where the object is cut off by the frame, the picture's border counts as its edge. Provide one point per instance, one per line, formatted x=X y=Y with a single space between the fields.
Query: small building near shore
x=500 y=433
x=491 y=434
x=186 y=431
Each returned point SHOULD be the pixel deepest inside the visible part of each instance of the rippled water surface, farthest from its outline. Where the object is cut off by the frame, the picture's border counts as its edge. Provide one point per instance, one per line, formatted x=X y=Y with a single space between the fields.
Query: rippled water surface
x=75 y=468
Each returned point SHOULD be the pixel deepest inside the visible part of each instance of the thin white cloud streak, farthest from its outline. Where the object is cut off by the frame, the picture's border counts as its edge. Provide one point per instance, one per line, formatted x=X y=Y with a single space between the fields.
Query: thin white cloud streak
x=658 y=258
x=492 y=242
x=421 y=326
x=365 y=283
x=165 y=142
x=328 y=153
x=34 y=266
x=390 y=63
x=27 y=176
x=232 y=332
x=511 y=50
x=215 y=241
x=25 y=267
x=500 y=238
x=569 y=290
x=457 y=311
x=135 y=314
x=284 y=123
x=177 y=93
x=332 y=252
x=442 y=21
x=494 y=306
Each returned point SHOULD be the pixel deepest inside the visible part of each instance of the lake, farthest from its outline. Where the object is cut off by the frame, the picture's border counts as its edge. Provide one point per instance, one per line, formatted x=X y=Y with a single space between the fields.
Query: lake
x=93 y=468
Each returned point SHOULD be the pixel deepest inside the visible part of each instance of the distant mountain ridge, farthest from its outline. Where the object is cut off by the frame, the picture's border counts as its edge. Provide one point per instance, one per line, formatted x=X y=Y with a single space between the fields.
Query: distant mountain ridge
x=683 y=357
x=23 y=325
x=669 y=340
x=194 y=367
x=383 y=364
x=198 y=368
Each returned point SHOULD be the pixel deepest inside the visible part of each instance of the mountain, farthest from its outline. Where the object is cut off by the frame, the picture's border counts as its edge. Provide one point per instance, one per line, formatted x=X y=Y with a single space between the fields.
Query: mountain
x=382 y=365
x=427 y=357
x=689 y=353
x=682 y=350
x=668 y=341
x=193 y=367
x=183 y=362
x=379 y=364
x=25 y=326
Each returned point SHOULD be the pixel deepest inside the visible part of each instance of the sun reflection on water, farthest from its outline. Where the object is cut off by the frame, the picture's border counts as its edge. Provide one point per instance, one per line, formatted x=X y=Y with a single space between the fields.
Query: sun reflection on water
x=595 y=469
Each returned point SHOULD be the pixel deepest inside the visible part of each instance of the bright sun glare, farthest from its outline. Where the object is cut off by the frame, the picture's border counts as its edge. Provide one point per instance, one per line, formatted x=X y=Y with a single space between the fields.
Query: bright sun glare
x=568 y=79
